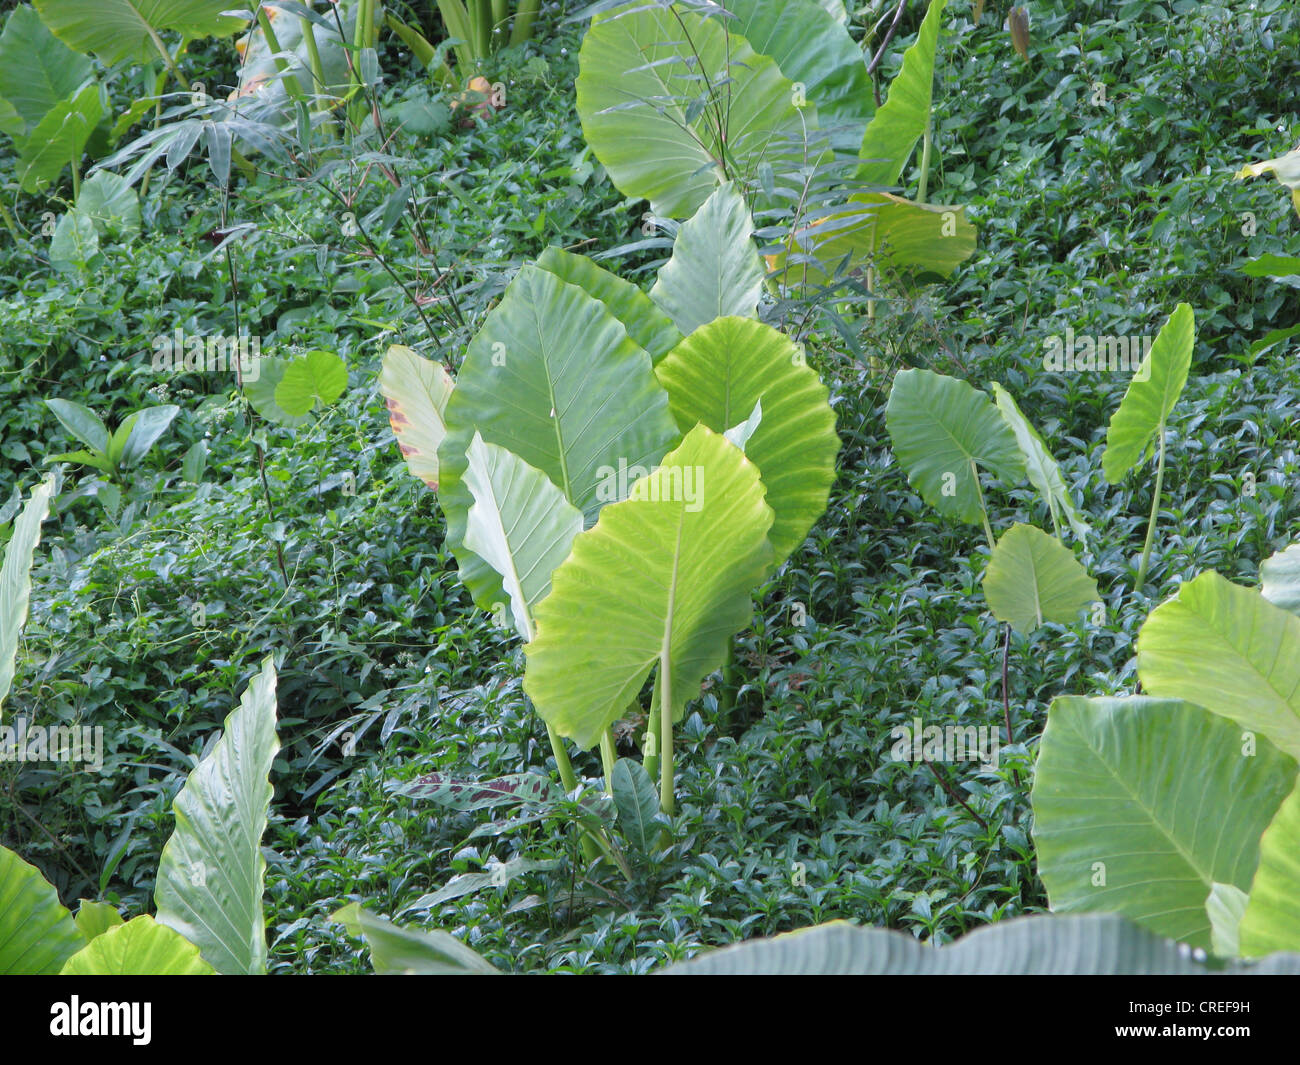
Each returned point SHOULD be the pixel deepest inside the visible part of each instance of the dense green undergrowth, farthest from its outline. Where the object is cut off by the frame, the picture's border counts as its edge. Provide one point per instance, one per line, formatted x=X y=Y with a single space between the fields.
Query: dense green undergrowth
x=149 y=619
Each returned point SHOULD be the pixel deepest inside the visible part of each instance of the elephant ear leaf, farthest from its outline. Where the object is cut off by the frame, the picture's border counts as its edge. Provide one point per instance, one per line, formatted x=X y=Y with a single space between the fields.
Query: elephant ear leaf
x=944 y=432
x=1280 y=579
x=687 y=547
x=1033 y=578
x=725 y=370
x=1152 y=394
x=416 y=390
x=117 y=30
x=140 y=947
x=715 y=269
x=519 y=523
x=37 y=933
x=1120 y=825
x=16 y=579
x=1044 y=473
x=901 y=121
x=1271 y=921
x=210 y=878
x=1230 y=650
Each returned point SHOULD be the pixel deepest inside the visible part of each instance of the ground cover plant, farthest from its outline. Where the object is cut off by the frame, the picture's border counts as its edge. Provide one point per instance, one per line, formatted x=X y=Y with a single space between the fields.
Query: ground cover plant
x=651 y=477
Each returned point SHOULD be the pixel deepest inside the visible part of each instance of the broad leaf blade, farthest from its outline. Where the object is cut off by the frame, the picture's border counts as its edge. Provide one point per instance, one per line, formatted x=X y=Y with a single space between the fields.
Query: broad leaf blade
x=666 y=573
x=1280 y=579
x=37 y=934
x=1033 y=578
x=715 y=269
x=637 y=803
x=519 y=523
x=81 y=422
x=117 y=30
x=210 y=877
x=943 y=432
x=1151 y=396
x=1272 y=918
x=397 y=950
x=416 y=391
x=140 y=947
x=16 y=580
x=1141 y=805
x=1228 y=649
x=148 y=425
x=37 y=70
x=720 y=373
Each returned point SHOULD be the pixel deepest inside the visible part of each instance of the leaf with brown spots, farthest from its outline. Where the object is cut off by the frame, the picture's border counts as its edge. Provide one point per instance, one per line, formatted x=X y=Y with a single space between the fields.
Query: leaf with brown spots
x=417 y=390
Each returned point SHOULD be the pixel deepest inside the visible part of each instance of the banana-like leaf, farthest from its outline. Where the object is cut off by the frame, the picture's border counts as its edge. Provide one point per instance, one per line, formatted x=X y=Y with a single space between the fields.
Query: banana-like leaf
x=1033 y=578
x=37 y=70
x=645 y=323
x=519 y=523
x=1280 y=579
x=943 y=432
x=902 y=119
x=96 y=918
x=1142 y=805
x=553 y=378
x=715 y=269
x=16 y=580
x=396 y=950
x=664 y=577
x=37 y=933
x=812 y=46
x=59 y=138
x=643 y=77
x=118 y=30
x=716 y=377
x=81 y=422
x=1272 y=918
x=142 y=430
x=1230 y=650
x=140 y=947
x=416 y=390
x=1151 y=396
x=209 y=886
x=1044 y=473
x=1042 y=945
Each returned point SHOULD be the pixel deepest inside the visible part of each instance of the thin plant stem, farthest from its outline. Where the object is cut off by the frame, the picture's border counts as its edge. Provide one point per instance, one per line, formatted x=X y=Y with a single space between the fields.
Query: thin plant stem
x=1155 y=511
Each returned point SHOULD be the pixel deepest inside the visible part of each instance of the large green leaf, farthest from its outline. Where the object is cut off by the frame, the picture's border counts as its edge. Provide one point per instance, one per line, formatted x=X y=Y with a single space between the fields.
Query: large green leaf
x=1044 y=473
x=37 y=70
x=637 y=804
x=643 y=71
x=81 y=422
x=117 y=30
x=902 y=119
x=396 y=950
x=140 y=947
x=142 y=429
x=645 y=323
x=1094 y=945
x=209 y=886
x=416 y=390
x=317 y=378
x=16 y=580
x=943 y=431
x=663 y=577
x=75 y=241
x=59 y=138
x=1280 y=579
x=813 y=49
x=95 y=918
x=37 y=933
x=519 y=523
x=910 y=238
x=715 y=269
x=1272 y=918
x=719 y=373
x=1033 y=578
x=1229 y=650
x=553 y=378
x=1152 y=393
x=1142 y=805
x=110 y=202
